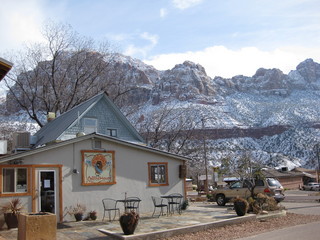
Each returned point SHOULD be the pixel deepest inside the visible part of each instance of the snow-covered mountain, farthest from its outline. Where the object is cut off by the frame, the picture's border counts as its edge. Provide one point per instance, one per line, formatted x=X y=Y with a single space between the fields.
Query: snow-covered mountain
x=267 y=98
x=273 y=114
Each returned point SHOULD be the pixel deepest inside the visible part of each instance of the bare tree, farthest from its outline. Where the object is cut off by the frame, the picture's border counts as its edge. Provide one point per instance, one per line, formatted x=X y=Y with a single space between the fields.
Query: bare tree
x=245 y=167
x=169 y=128
x=154 y=127
x=58 y=74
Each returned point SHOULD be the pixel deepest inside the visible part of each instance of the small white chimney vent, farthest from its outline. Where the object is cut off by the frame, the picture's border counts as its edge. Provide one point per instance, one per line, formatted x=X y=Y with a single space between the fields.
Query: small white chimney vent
x=51 y=116
x=3 y=147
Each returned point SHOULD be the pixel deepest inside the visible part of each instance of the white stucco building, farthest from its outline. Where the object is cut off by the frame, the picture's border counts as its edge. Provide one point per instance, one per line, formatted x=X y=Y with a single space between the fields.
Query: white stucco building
x=63 y=171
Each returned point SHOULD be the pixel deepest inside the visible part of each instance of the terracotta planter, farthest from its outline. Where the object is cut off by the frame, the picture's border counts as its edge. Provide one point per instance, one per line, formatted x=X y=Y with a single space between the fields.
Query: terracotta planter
x=241 y=208
x=128 y=223
x=11 y=220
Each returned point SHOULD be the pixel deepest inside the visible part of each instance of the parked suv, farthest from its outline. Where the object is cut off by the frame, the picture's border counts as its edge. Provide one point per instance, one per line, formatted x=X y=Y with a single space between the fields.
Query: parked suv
x=269 y=186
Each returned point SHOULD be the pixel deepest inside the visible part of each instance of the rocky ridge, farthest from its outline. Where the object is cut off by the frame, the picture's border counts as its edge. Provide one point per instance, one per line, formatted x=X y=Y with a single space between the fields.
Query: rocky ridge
x=266 y=101
x=189 y=82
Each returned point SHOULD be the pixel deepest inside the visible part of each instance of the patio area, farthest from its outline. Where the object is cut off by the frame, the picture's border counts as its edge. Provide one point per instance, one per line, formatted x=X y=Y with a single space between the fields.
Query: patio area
x=197 y=217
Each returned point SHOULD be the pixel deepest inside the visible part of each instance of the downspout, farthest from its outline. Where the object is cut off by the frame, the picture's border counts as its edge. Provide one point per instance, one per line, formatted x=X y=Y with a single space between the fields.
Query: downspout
x=184 y=183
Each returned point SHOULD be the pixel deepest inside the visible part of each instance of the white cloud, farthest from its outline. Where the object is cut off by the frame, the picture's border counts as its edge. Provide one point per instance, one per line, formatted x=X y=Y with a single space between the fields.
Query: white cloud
x=20 y=22
x=152 y=38
x=184 y=4
x=224 y=62
x=134 y=50
x=163 y=12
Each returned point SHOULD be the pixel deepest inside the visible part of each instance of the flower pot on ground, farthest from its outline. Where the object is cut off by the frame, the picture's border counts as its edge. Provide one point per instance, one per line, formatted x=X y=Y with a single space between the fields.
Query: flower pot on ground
x=241 y=206
x=11 y=220
x=11 y=212
x=78 y=216
x=185 y=205
x=93 y=215
x=128 y=222
x=78 y=211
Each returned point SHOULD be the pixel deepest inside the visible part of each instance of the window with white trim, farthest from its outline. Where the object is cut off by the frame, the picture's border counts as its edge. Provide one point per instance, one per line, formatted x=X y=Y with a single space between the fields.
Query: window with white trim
x=14 y=180
x=90 y=125
x=158 y=174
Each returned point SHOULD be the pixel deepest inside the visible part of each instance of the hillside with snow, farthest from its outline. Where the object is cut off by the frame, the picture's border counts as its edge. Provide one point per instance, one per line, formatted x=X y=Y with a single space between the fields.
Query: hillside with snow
x=244 y=111
x=267 y=99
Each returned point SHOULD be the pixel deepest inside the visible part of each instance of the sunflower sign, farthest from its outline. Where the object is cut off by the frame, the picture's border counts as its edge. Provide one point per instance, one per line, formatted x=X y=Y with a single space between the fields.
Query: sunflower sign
x=97 y=167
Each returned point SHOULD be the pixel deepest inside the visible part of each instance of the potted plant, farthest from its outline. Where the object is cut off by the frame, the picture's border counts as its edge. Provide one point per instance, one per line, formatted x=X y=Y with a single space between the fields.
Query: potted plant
x=185 y=204
x=128 y=222
x=11 y=211
x=77 y=211
x=241 y=206
x=93 y=215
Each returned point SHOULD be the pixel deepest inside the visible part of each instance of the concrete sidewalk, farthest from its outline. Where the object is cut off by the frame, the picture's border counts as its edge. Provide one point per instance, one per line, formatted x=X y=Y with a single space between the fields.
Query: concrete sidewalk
x=197 y=217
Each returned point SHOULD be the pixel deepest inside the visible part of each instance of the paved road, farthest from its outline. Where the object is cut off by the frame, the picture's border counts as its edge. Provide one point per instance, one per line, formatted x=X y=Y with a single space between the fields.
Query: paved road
x=302 y=202
x=308 y=208
x=299 y=202
x=309 y=231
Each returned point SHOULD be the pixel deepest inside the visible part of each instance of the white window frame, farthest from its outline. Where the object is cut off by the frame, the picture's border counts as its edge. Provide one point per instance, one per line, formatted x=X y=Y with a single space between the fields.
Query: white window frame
x=87 y=128
x=15 y=180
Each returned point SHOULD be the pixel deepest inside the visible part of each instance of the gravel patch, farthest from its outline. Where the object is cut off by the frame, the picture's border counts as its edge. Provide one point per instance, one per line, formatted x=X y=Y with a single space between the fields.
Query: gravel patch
x=250 y=228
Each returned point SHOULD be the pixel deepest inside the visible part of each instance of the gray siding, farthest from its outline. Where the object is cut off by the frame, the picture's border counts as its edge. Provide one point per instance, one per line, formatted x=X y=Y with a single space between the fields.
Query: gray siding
x=66 y=126
x=107 y=119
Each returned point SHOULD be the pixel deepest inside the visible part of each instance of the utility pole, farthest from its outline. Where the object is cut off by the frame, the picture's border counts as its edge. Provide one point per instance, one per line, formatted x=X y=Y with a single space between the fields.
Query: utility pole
x=316 y=147
x=205 y=157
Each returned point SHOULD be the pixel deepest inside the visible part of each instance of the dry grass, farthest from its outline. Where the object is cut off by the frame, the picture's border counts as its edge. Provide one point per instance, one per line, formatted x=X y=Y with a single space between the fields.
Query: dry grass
x=250 y=228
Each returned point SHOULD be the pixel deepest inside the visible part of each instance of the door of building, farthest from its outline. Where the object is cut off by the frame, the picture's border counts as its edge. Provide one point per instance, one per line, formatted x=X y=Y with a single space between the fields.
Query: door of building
x=47 y=191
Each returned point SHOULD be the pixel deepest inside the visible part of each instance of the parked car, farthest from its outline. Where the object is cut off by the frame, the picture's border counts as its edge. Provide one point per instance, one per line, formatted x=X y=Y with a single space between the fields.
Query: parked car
x=269 y=186
x=311 y=186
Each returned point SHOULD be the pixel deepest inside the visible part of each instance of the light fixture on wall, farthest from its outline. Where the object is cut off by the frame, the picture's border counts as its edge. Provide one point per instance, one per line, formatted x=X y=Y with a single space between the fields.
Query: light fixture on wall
x=75 y=171
x=16 y=162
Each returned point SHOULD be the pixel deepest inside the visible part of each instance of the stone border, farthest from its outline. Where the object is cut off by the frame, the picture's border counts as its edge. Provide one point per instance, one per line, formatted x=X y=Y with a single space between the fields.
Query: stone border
x=190 y=229
x=177 y=231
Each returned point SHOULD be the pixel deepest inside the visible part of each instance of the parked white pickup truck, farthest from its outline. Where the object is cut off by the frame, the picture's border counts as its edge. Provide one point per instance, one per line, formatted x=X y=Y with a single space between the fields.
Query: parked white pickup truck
x=311 y=186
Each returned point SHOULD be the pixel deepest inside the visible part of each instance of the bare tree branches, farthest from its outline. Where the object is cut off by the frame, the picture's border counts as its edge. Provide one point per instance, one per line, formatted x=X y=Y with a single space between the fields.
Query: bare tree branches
x=58 y=74
x=245 y=166
x=168 y=128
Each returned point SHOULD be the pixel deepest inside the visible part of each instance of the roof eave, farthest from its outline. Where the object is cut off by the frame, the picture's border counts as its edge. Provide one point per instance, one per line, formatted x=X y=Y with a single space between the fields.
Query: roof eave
x=5 y=67
x=85 y=137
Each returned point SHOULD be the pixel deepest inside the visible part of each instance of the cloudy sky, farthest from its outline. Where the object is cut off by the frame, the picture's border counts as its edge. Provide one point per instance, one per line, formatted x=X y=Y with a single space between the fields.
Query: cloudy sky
x=227 y=37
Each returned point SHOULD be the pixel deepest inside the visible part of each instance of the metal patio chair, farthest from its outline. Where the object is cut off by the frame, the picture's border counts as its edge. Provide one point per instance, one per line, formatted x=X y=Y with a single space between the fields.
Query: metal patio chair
x=158 y=203
x=175 y=202
x=132 y=204
x=110 y=205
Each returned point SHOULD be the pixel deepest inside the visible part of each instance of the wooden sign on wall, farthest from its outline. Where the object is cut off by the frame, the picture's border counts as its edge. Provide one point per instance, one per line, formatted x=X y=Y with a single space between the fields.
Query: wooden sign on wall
x=98 y=167
x=182 y=171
